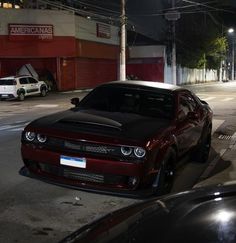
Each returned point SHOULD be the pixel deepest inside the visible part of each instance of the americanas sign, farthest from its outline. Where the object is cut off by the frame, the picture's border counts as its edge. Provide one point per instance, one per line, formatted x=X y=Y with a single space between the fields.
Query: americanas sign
x=43 y=32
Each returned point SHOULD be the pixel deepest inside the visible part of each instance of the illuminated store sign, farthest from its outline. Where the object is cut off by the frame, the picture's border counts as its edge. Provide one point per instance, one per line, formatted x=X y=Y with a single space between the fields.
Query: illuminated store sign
x=30 y=32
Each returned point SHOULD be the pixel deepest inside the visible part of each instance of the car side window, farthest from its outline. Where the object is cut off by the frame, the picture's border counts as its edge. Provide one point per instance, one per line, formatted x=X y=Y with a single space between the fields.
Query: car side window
x=32 y=81
x=23 y=81
x=184 y=105
x=192 y=103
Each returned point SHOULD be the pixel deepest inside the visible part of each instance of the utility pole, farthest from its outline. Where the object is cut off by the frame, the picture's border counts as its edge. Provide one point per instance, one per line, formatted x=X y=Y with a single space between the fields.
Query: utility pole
x=123 y=42
x=173 y=64
x=173 y=16
x=232 y=68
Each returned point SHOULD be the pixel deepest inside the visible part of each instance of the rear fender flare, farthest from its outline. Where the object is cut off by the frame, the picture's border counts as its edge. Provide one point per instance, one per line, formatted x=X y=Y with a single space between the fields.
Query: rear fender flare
x=173 y=143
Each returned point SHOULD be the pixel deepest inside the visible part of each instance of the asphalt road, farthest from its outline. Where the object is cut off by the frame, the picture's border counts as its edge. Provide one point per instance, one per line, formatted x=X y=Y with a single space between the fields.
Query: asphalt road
x=34 y=211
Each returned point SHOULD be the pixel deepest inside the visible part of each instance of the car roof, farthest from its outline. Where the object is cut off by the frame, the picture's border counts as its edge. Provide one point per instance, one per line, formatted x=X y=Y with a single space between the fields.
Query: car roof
x=147 y=84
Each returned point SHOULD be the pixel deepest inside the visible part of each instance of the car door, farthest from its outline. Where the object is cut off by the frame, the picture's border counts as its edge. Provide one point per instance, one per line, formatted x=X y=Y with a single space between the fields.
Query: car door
x=186 y=124
x=196 y=117
x=24 y=84
x=34 y=86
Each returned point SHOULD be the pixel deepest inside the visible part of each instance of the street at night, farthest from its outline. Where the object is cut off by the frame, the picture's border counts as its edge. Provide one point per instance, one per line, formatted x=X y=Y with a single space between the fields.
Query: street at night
x=35 y=211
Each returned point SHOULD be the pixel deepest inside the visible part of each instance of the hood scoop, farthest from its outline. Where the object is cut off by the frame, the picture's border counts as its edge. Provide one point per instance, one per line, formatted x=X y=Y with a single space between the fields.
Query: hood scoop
x=85 y=121
x=86 y=124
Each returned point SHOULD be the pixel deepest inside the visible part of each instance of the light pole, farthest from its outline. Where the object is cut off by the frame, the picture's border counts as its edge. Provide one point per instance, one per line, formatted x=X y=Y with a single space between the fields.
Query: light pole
x=231 y=31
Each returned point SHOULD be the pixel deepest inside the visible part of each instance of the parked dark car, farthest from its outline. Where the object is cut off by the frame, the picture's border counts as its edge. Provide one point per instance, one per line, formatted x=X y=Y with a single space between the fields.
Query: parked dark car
x=205 y=215
x=124 y=137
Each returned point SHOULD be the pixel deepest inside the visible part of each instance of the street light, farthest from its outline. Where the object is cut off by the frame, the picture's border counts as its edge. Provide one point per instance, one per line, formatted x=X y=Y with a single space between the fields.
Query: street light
x=231 y=31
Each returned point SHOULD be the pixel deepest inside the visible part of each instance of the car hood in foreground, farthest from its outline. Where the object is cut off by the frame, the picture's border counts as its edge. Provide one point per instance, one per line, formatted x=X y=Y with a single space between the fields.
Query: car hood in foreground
x=203 y=215
x=123 y=125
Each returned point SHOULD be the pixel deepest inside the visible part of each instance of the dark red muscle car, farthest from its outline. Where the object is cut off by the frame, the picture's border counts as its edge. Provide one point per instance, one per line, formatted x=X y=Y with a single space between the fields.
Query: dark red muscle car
x=124 y=137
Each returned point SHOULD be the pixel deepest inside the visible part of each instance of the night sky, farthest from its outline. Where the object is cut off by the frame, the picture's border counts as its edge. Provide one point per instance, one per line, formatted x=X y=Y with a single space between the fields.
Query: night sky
x=147 y=16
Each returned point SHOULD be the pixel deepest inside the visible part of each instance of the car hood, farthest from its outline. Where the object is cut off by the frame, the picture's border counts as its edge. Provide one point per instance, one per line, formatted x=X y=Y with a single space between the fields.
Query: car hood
x=124 y=125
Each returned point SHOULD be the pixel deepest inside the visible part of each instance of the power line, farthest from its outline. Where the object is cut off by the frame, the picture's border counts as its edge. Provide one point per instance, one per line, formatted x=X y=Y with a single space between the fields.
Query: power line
x=81 y=12
x=96 y=7
x=193 y=4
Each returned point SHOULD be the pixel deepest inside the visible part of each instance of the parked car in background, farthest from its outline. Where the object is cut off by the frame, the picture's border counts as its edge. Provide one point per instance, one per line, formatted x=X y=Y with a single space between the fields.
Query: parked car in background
x=18 y=87
x=204 y=215
x=124 y=137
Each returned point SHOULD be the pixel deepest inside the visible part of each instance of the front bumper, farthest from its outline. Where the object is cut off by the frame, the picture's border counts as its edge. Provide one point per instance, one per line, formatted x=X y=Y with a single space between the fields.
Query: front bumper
x=107 y=176
x=140 y=193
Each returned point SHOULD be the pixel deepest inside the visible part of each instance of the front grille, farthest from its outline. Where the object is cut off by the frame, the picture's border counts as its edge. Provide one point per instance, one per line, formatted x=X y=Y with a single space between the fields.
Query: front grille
x=82 y=175
x=87 y=148
x=92 y=148
x=98 y=150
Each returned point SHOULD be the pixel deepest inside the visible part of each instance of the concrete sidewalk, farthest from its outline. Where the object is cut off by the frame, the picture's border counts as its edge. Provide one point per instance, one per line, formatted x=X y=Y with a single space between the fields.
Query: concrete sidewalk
x=222 y=169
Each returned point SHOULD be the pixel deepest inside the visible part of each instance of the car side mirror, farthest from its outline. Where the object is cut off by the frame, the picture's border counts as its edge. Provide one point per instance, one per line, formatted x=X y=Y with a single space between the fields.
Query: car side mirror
x=193 y=115
x=75 y=101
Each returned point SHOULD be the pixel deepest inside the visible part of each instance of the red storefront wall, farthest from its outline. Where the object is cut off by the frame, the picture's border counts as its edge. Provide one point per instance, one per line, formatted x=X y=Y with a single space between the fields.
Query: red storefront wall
x=10 y=66
x=73 y=63
x=77 y=73
x=91 y=72
x=149 y=69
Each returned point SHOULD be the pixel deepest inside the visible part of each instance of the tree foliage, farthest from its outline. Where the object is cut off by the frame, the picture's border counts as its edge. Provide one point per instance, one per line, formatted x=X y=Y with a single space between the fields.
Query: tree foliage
x=200 y=41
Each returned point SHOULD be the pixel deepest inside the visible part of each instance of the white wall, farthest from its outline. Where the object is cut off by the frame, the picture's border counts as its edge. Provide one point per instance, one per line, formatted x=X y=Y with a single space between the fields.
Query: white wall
x=63 y=21
x=147 y=51
x=191 y=76
x=87 y=30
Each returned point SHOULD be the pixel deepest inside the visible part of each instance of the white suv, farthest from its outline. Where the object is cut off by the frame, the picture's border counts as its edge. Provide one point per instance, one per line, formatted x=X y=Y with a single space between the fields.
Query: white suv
x=21 y=86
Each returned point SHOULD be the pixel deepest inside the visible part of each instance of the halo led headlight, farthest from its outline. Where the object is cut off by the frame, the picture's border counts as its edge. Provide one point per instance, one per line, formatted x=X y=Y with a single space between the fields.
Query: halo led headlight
x=126 y=150
x=30 y=136
x=139 y=152
x=41 y=138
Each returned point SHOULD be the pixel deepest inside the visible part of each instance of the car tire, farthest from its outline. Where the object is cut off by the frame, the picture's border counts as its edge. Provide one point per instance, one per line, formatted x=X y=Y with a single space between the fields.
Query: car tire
x=43 y=92
x=202 y=151
x=165 y=177
x=21 y=96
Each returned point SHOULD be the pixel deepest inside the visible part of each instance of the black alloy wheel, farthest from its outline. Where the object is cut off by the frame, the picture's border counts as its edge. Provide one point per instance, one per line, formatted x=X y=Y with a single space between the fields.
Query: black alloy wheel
x=166 y=173
x=43 y=92
x=202 y=152
x=21 y=96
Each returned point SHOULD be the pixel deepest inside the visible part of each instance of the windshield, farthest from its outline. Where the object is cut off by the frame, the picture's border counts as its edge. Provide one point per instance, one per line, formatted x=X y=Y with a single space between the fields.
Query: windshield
x=129 y=100
x=7 y=81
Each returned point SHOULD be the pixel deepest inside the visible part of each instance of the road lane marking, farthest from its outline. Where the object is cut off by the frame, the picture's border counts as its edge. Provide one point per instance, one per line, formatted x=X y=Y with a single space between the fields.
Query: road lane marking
x=228 y=99
x=5 y=127
x=17 y=126
x=216 y=124
x=46 y=106
x=209 y=98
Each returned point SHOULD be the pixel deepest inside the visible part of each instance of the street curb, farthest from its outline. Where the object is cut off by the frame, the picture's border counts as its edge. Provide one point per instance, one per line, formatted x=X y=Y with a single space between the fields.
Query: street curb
x=213 y=163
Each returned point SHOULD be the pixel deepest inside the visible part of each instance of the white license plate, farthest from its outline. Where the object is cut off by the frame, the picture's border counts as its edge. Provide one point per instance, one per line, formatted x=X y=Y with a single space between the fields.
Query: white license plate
x=73 y=161
x=4 y=95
